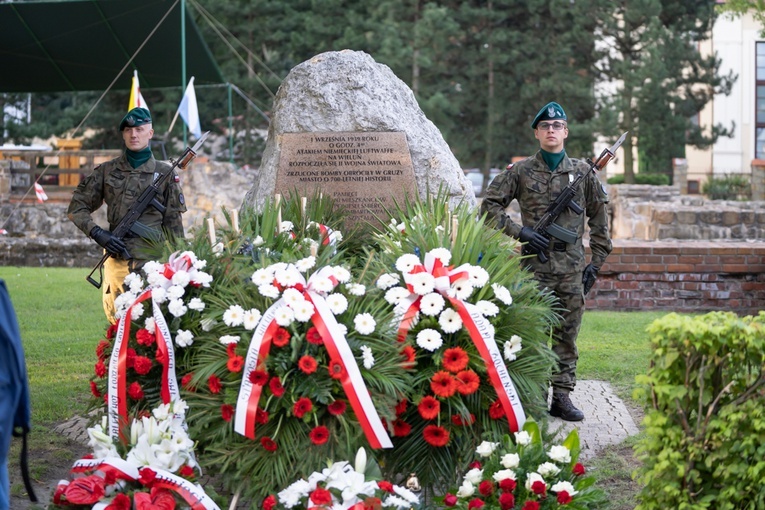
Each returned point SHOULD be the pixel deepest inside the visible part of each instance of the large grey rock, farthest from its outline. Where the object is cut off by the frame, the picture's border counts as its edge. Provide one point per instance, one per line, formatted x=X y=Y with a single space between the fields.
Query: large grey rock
x=348 y=91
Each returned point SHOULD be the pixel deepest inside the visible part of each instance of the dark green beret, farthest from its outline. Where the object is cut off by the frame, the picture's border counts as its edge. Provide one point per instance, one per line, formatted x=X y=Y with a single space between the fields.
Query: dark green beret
x=135 y=117
x=550 y=111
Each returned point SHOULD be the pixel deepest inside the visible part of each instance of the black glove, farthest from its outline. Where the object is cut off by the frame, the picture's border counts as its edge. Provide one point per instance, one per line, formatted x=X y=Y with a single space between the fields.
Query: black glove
x=535 y=241
x=112 y=244
x=589 y=276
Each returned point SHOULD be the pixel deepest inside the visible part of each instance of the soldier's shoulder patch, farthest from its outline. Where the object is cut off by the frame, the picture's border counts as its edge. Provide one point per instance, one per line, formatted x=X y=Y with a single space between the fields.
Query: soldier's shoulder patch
x=181 y=199
x=176 y=178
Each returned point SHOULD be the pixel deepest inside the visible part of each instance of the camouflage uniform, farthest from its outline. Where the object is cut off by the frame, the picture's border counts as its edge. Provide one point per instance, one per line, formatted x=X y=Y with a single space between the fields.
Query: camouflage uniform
x=534 y=186
x=119 y=185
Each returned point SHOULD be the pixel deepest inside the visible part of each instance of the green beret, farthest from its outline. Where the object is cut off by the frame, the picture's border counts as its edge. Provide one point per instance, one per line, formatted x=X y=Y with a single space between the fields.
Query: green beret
x=135 y=117
x=550 y=111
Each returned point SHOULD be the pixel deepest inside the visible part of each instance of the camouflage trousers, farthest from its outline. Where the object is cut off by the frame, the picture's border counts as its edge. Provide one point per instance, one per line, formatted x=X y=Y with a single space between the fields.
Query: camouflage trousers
x=568 y=289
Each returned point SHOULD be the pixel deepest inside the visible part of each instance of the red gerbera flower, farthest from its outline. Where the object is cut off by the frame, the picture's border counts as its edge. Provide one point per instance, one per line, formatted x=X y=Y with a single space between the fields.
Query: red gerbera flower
x=281 y=337
x=101 y=349
x=145 y=337
x=455 y=359
x=401 y=407
x=231 y=349
x=313 y=336
x=186 y=381
x=142 y=365
x=506 y=500
x=235 y=364
x=261 y=416
x=301 y=407
x=401 y=428
x=468 y=382
x=269 y=503
x=135 y=391
x=321 y=496
x=276 y=387
x=336 y=408
x=409 y=354
x=307 y=364
x=578 y=469
x=385 y=485
x=100 y=369
x=336 y=370
x=475 y=503
x=435 y=435
x=227 y=412
x=319 y=435
x=258 y=377
x=213 y=382
x=443 y=384
x=495 y=411
x=460 y=421
x=268 y=443
x=486 y=487
x=94 y=389
x=428 y=407
x=564 y=498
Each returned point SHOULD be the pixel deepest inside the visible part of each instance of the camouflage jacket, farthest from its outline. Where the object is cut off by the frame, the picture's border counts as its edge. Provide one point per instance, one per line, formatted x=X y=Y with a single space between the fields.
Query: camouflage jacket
x=534 y=186
x=119 y=185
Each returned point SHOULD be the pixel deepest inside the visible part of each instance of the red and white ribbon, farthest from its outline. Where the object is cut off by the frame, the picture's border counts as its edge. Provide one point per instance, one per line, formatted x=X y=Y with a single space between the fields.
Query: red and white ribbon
x=193 y=494
x=122 y=469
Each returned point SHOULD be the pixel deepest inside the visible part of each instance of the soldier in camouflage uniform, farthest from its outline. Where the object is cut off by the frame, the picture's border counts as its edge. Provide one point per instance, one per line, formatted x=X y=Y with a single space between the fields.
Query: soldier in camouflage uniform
x=119 y=183
x=535 y=182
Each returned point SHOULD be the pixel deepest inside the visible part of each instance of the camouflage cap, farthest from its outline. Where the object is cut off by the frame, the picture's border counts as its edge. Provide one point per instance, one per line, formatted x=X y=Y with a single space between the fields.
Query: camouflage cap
x=135 y=117
x=550 y=111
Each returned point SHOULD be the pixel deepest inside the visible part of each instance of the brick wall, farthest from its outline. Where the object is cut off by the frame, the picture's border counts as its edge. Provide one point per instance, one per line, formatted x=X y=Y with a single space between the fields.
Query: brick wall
x=686 y=277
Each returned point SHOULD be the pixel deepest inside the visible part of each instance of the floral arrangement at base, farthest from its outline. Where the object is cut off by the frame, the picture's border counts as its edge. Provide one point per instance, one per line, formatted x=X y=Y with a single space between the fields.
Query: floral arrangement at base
x=341 y=486
x=520 y=473
x=151 y=467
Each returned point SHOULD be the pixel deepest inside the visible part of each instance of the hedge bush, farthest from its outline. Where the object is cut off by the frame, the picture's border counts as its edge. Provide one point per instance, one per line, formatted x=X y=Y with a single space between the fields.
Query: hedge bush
x=728 y=187
x=704 y=445
x=646 y=178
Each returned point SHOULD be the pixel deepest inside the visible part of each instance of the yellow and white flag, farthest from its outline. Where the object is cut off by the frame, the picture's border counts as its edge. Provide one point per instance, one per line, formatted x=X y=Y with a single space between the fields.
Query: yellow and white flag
x=136 y=99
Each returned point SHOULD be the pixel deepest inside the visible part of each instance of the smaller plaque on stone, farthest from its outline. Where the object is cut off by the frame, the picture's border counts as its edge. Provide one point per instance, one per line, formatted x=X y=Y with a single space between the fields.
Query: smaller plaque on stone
x=364 y=172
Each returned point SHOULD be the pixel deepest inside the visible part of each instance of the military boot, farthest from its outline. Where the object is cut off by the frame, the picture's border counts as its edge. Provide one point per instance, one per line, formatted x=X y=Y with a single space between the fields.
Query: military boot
x=563 y=408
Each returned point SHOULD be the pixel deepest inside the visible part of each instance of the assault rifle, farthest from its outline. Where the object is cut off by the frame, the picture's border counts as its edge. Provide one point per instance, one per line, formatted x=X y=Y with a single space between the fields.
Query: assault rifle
x=546 y=225
x=130 y=223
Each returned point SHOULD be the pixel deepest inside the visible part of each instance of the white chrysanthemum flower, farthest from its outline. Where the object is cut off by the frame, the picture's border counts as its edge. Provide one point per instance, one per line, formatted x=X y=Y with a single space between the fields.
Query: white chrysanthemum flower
x=356 y=289
x=367 y=357
x=486 y=448
x=134 y=282
x=286 y=226
x=124 y=300
x=429 y=339
x=512 y=346
x=466 y=490
x=337 y=303
x=136 y=311
x=207 y=324
x=262 y=276
x=258 y=241
x=322 y=285
x=153 y=266
x=364 y=323
x=292 y=296
x=149 y=325
x=450 y=321
x=229 y=339
x=560 y=454
x=269 y=291
x=159 y=295
x=199 y=264
x=510 y=460
x=474 y=476
x=181 y=278
x=175 y=292
x=422 y=283
x=461 y=289
x=441 y=254
x=504 y=474
x=184 y=338
x=406 y=263
x=196 y=304
x=564 y=486
x=522 y=438
x=532 y=478
x=487 y=308
x=305 y=264
x=387 y=281
x=288 y=276
x=292 y=495
x=303 y=311
x=548 y=469
x=502 y=294
x=251 y=319
x=284 y=316
x=396 y=294
x=202 y=279
x=478 y=276
x=234 y=316
x=177 y=308
x=432 y=304
x=341 y=274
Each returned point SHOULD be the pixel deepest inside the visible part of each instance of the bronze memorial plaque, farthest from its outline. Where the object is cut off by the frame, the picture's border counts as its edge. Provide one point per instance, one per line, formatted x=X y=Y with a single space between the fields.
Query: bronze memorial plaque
x=363 y=172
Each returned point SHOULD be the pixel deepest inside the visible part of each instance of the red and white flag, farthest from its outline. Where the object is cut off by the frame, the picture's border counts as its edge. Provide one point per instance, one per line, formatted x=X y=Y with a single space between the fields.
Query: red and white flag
x=40 y=192
x=3 y=232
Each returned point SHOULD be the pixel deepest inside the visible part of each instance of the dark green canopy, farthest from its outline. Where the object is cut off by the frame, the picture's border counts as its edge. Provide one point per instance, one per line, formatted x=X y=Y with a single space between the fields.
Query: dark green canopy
x=83 y=45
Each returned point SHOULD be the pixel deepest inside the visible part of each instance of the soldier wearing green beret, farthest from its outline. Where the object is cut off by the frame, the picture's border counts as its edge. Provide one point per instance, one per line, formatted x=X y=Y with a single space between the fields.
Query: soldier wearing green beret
x=535 y=182
x=118 y=183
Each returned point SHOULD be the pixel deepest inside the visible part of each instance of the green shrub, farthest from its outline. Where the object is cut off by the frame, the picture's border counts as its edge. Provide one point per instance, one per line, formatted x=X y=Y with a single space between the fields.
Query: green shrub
x=646 y=178
x=729 y=187
x=704 y=445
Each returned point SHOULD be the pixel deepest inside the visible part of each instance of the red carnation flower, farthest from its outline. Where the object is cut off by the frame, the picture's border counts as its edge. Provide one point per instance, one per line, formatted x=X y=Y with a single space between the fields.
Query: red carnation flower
x=401 y=407
x=227 y=412
x=213 y=382
x=539 y=488
x=145 y=337
x=458 y=420
x=85 y=491
x=235 y=364
x=142 y=365
x=281 y=337
x=450 y=500
x=321 y=496
x=429 y=407
x=401 y=428
x=486 y=487
x=336 y=370
x=186 y=381
x=121 y=502
x=261 y=416
x=231 y=349
x=269 y=503
x=146 y=476
x=100 y=369
x=301 y=407
x=319 y=435
x=101 y=349
x=531 y=505
x=268 y=443
x=307 y=364
x=313 y=336
x=385 y=485
x=276 y=387
x=408 y=353
x=496 y=412
x=259 y=377
x=475 y=503
x=135 y=391
x=112 y=330
x=506 y=501
x=578 y=469
x=564 y=498
x=443 y=384
x=467 y=382
x=336 y=408
x=186 y=471
x=435 y=435
x=94 y=389
x=455 y=359
x=507 y=485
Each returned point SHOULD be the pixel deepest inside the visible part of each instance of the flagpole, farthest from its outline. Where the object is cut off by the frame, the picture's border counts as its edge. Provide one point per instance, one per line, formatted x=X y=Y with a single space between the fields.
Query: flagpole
x=230 y=126
x=183 y=62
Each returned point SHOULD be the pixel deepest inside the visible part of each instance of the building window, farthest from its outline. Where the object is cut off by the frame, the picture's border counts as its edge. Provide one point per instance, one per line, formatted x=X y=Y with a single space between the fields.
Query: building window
x=760 y=103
